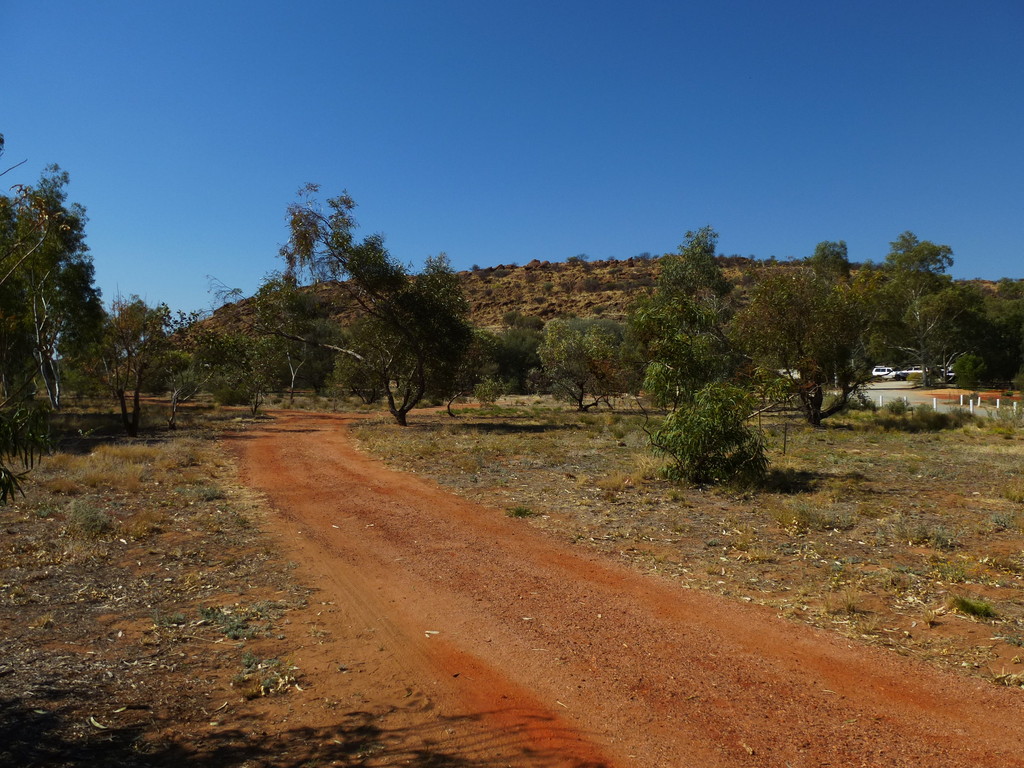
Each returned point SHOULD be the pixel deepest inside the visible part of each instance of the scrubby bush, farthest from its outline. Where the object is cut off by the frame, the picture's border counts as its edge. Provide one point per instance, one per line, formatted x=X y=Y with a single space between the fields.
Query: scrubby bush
x=969 y=370
x=922 y=418
x=488 y=391
x=710 y=440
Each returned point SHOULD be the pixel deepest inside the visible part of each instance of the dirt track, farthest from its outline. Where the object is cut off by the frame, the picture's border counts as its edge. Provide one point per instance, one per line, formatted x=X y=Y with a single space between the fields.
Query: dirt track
x=514 y=649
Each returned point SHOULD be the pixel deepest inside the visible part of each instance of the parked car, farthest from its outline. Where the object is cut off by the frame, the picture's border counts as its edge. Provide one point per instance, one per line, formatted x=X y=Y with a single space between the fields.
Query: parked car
x=914 y=370
x=888 y=373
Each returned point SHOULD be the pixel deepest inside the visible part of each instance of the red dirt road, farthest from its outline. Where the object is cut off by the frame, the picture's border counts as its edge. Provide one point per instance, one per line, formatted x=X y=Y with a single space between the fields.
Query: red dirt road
x=515 y=649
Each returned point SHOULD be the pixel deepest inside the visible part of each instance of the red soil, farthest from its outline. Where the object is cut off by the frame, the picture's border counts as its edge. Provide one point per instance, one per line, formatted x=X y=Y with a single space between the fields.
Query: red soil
x=478 y=636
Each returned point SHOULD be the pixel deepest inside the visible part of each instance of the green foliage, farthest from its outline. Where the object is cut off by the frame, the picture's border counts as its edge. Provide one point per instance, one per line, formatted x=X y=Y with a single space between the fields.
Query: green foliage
x=475 y=368
x=516 y=319
x=710 y=439
x=969 y=370
x=415 y=328
x=129 y=355
x=922 y=313
x=922 y=258
x=694 y=271
x=811 y=323
x=234 y=624
x=354 y=375
x=520 y=511
x=830 y=260
x=246 y=368
x=582 y=360
x=23 y=436
x=515 y=354
x=690 y=367
x=681 y=326
x=897 y=407
x=299 y=320
x=50 y=311
x=970 y=606
x=488 y=391
x=897 y=416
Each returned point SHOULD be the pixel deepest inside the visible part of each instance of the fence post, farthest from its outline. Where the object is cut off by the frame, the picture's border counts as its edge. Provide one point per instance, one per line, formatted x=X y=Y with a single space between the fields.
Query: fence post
x=935 y=403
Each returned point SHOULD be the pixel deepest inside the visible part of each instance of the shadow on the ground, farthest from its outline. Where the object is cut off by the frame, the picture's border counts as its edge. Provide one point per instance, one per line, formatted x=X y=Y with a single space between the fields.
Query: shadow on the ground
x=31 y=738
x=513 y=428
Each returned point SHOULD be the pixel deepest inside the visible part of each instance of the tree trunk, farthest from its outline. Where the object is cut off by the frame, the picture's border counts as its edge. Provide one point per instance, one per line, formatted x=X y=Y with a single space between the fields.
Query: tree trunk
x=172 y=420
x=51 y=379
x=812 y=399
x=136 y=410
x=130 y=421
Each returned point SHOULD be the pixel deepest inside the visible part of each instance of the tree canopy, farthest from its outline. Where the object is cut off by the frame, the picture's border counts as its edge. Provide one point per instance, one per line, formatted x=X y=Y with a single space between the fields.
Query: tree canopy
x=415 y=328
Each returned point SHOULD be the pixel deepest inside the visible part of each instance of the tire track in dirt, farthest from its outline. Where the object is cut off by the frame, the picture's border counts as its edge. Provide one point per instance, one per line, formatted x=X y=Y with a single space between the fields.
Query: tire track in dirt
x=564 y=658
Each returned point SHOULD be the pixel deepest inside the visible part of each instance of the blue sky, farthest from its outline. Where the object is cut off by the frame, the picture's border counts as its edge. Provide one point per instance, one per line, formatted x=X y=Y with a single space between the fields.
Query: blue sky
x=504 y=132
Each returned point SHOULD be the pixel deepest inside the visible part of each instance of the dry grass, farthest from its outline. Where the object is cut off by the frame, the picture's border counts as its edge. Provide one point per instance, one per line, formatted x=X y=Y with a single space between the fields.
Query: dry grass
x=110 y=553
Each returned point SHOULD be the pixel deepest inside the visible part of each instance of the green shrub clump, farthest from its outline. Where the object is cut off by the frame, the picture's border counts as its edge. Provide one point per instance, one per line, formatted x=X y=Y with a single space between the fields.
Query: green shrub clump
x=710 y=439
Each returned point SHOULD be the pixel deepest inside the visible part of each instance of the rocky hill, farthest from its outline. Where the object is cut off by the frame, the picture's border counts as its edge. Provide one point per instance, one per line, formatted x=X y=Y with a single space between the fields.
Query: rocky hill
x=542 y=289
x=557 y=289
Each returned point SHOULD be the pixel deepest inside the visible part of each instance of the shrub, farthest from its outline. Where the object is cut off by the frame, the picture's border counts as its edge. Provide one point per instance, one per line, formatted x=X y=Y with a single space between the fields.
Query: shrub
x=87 y=522
x=228 y=395
x=970 y=606
x=710 y=440
x=897 y=407
x=520 y=511
x=1015 y=491
x=897 y=417
x=488 y=391
x=969 y=370
x=233 y=624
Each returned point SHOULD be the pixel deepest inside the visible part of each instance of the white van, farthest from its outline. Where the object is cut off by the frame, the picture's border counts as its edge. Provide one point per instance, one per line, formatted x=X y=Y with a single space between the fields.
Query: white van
x=882 y=372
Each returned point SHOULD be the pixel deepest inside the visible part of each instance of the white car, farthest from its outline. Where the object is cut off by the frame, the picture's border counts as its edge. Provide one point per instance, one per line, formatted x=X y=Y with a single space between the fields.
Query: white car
x=882 y=372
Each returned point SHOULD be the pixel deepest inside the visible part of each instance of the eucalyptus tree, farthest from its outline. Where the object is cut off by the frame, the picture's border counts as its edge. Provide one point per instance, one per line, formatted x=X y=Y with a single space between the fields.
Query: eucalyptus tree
x=680 y=330
x=582 y=361
x=692 y=369
x=133 y=346
x=41 y=255
x=921 y=300
x=57 y=310
x=415 y=324
x=810 y=325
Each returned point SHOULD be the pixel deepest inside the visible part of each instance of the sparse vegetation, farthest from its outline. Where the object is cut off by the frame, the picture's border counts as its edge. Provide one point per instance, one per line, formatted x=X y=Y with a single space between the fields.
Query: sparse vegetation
x=970 y=606
x=137 y=550
x=520 y=511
